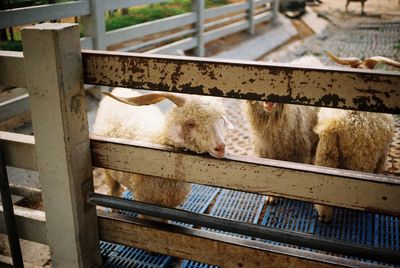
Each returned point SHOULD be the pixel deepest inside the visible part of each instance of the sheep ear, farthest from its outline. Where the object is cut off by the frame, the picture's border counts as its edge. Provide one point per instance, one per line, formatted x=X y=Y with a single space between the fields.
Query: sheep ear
x=148 y=99
x=228 y=124
x=175 y=134
x=371 y=62
x=352 y=61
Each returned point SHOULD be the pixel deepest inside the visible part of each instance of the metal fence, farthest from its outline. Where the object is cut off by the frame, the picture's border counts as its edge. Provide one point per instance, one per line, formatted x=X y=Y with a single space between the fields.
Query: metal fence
x=177 y=31
x=51 y=67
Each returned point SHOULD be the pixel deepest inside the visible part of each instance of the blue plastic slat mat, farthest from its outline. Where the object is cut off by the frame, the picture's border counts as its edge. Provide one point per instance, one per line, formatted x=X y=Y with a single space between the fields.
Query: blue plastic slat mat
x=198 y=201
x=108 y=249
x=195 y=264
x=131 y=257
x=348 y=225
x=386 y=232
x=233 y=205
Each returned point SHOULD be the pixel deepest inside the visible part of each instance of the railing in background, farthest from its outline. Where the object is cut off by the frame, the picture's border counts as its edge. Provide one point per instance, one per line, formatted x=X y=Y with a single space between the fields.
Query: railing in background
x=65 y=171
x=177 y=31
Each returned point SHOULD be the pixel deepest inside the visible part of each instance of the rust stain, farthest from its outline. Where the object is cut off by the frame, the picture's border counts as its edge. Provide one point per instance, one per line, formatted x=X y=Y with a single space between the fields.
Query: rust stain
x=179 y=173
x=361 y=91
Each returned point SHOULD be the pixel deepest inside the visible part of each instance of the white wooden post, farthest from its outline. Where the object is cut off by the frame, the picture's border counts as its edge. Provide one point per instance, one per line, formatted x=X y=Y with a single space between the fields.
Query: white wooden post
x=250 y=15
x=53 y=65
x=198 y=7
x=95 y=24
x=275 y=11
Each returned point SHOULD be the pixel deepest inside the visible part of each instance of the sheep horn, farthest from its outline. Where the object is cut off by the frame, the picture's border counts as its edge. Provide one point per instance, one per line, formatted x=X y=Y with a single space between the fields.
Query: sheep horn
x=148 y=99
x=352 y=61
x=371 y=62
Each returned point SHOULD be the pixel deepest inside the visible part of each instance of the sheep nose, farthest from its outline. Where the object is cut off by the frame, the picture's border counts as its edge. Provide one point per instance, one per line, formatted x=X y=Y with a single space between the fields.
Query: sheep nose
x=220 y=149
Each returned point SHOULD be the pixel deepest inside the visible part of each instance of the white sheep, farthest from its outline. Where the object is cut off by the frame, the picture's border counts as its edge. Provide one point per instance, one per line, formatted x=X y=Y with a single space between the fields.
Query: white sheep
x=351 y=139
x=195 y=123
x=283 y=131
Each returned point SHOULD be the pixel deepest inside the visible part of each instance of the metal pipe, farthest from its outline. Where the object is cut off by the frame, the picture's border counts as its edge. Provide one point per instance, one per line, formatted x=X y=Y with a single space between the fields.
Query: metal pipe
x=33 y=194
x=259 y=231
x=8 y=210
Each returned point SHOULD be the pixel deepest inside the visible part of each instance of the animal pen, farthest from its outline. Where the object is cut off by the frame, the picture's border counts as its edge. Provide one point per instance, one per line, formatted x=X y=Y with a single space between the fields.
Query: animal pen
x=54 y=69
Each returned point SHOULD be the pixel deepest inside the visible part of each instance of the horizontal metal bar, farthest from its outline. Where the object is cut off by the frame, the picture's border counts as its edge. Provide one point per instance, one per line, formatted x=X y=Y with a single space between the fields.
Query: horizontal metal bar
x=263 y=17
x=14 y=107
x=262 y=176
x=262 y=2
x=223 y=10
x=158 y=40
x=259 y=231
x=116 y=4
x=27 y=15
x=258 y=175
x=225 y=20
x=211 y=247
x=87 y=42
x=367 y=90
x=12 y=69
x=147 y=28
x=19 y=150
x=33 y=194
x=31 y=224
x=225 y=30
x=184 y=44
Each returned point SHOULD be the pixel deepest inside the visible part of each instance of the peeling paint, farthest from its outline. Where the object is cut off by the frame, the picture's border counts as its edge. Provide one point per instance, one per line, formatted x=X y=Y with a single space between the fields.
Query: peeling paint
x=350 y=89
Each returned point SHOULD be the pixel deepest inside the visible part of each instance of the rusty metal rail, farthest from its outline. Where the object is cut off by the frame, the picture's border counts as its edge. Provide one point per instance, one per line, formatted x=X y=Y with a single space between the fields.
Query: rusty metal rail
x=258 y=231
x=365 y=90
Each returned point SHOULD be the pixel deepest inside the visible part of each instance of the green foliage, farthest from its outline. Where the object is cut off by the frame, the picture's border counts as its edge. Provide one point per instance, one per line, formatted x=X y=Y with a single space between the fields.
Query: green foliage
x=154 y=12
x=144 y=14
x=397 y=45
x=215 y=3
x=11 y=45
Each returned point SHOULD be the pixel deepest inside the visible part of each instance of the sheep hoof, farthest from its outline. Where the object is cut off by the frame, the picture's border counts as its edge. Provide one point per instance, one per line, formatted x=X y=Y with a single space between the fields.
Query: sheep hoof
x=325 y=213
x=271 y=200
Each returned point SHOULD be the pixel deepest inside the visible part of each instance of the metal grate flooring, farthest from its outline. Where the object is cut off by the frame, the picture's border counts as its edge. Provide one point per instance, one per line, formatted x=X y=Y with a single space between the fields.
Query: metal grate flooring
x=115 y=255
x=355 y=226
x=233 y=205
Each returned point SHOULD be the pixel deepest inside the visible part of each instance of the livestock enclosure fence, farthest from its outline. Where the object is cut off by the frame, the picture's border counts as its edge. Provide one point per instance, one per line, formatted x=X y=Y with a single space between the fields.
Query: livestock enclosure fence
x=54 y=69
x=169 y=34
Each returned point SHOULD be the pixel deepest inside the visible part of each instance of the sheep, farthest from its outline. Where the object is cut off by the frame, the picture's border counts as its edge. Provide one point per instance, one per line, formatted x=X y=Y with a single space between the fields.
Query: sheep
x=194 y=123
x=351 y=139
x=274 y=136
x=283 y=131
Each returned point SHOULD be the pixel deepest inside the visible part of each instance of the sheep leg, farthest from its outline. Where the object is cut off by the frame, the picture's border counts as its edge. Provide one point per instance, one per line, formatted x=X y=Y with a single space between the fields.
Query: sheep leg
x=113 y=185
x=347 y=5
x=362 y=7
x=328 y=155
x=380 y=166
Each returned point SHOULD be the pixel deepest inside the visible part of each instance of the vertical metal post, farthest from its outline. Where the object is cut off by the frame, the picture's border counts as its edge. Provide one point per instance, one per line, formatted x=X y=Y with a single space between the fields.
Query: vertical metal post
x=11 y=224
x=275 y=11
x=250 y=15
x=95 y=24
x=198 y=7
x=54 y=74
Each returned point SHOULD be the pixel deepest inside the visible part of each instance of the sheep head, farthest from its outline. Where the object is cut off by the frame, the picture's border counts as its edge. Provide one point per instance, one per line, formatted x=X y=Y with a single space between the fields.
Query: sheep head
x=264 y=109
x=199 y=125
x=366 y=64
x=194 y=123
